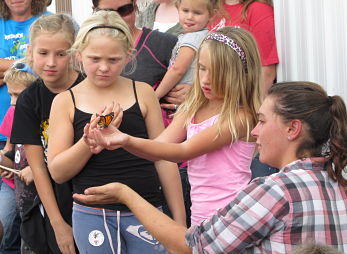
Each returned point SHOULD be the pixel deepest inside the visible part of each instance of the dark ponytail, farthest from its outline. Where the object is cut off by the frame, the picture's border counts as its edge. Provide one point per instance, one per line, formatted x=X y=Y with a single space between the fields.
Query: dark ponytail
x=337 y=150
x=325 y=118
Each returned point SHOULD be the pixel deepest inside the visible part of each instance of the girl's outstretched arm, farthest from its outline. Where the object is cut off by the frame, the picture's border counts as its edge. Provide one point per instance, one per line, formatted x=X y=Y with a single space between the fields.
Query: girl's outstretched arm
x=165 y=230
x=159 y=149
x=184 y=59
x=62 y=230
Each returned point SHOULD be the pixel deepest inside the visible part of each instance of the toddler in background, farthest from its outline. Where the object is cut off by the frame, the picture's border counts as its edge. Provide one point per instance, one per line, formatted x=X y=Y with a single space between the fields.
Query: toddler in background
x=194 y=17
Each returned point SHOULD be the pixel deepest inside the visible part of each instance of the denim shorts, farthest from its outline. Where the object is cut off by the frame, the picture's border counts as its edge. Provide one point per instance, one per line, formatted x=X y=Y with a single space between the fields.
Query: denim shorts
x=101 y=231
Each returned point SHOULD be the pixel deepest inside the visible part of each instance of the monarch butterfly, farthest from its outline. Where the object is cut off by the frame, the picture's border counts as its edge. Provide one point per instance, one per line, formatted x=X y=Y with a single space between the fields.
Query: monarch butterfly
x=105 y=120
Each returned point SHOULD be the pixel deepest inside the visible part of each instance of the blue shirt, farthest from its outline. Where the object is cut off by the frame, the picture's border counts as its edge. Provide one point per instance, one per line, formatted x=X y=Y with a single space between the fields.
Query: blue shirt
x=14 y=39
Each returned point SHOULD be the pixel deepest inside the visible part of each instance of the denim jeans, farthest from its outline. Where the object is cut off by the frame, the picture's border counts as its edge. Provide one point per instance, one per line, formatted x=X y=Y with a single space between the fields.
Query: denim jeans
x=260 y=169
x=10 y=220
x=2 y=145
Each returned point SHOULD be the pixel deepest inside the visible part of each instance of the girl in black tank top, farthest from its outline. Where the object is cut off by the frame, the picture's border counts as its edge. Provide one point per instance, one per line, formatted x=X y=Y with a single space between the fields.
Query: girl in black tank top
x=103 y=51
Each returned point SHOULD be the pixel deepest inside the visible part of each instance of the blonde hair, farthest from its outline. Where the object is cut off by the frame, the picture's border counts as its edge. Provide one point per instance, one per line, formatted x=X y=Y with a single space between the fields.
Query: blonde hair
x=13 y=74
x=54 y=23
x=230 y=78
x=118 y=31
x=212 y=5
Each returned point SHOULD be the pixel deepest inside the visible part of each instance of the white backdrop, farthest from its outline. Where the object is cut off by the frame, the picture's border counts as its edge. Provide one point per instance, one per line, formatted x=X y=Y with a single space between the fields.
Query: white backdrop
x=311 y=40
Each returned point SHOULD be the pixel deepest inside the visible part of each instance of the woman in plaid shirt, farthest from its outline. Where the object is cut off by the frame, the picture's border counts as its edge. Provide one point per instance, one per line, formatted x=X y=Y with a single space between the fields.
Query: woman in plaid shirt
x=300 y=130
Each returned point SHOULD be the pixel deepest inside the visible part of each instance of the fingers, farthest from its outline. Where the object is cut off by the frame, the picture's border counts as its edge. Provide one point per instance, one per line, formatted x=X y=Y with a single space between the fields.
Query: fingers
x=172 y=100
x=89 y=199
x=109 y=108
x=72 y=248
x=9 y=175
x=118 y=115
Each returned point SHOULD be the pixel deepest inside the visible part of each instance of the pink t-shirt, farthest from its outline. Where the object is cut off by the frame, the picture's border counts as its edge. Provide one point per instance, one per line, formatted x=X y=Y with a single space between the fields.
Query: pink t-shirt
x=217 y=177
x=5 y=129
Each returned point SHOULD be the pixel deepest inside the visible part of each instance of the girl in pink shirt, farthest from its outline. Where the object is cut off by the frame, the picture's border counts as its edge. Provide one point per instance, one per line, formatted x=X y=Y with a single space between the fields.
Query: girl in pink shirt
x=216 y=119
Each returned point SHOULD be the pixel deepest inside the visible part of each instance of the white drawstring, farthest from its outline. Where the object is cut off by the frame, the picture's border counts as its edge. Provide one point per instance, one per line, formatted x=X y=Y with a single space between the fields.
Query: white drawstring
x=108 y=232
x=118 y=233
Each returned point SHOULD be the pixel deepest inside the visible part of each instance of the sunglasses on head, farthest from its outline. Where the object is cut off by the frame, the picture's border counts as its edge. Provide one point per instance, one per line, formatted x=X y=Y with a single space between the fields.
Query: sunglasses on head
x=23 y=67
x=123 y=10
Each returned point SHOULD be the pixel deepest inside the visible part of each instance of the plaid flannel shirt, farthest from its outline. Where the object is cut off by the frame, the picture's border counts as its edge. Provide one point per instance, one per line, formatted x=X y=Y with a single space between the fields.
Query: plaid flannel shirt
x=273 y=214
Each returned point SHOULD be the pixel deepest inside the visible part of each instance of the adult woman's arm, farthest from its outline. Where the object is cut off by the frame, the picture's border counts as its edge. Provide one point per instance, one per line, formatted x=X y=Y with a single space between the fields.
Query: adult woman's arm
x=268 y=77
x=165 y=230
x=4 y=65
x=176 y=96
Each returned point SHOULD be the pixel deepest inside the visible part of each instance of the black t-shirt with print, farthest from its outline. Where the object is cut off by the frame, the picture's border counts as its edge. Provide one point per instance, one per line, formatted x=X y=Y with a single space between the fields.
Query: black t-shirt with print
x=30 y=125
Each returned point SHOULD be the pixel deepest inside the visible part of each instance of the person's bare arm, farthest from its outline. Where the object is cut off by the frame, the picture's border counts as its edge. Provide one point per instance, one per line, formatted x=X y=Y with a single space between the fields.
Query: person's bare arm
x=268 y=78
x=184 y=59
x=65 y=159
x=62 y=231
x=165 y=230
x=4 y=65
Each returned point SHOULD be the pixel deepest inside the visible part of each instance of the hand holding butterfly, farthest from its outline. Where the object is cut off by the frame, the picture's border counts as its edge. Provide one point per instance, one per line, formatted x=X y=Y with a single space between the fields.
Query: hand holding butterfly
x=101 y=127
x=109 y=138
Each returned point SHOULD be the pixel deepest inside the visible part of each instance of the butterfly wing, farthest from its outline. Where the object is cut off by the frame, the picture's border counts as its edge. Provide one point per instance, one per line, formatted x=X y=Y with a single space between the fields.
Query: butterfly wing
x=105 y=120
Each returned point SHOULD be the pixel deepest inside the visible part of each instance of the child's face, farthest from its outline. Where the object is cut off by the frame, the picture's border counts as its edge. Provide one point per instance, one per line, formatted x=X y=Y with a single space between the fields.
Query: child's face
x=103 y=60
x=50 y=58
x=204 y=65
x=193 y=15
x=14 y=89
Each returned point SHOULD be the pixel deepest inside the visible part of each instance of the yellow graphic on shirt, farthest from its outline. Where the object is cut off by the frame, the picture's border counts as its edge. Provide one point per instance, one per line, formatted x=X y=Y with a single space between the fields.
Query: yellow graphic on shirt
x=44 y=136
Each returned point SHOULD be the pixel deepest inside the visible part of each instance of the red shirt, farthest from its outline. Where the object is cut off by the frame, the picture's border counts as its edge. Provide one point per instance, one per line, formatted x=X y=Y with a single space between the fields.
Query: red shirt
x=259 y=21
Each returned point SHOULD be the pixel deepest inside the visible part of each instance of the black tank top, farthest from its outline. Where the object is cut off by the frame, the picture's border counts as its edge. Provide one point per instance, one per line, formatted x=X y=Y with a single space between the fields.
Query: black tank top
x=118 y=165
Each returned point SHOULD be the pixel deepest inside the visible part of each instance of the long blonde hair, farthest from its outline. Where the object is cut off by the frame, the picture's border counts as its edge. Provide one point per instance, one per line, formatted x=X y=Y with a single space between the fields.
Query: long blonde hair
x=238 y=83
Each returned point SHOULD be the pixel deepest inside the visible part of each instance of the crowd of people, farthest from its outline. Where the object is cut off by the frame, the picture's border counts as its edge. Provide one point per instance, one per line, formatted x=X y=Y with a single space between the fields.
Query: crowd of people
x=163 y=131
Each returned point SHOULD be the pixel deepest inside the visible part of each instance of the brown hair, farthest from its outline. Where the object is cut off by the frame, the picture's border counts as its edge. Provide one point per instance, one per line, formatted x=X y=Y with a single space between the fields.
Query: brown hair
x=314 y=248
x=37 y=7
x=324 y=117
x=246 y=3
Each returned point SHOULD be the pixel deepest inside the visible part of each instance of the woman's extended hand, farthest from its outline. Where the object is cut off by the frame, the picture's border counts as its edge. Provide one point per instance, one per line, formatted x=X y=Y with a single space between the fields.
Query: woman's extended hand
x=105 y=194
